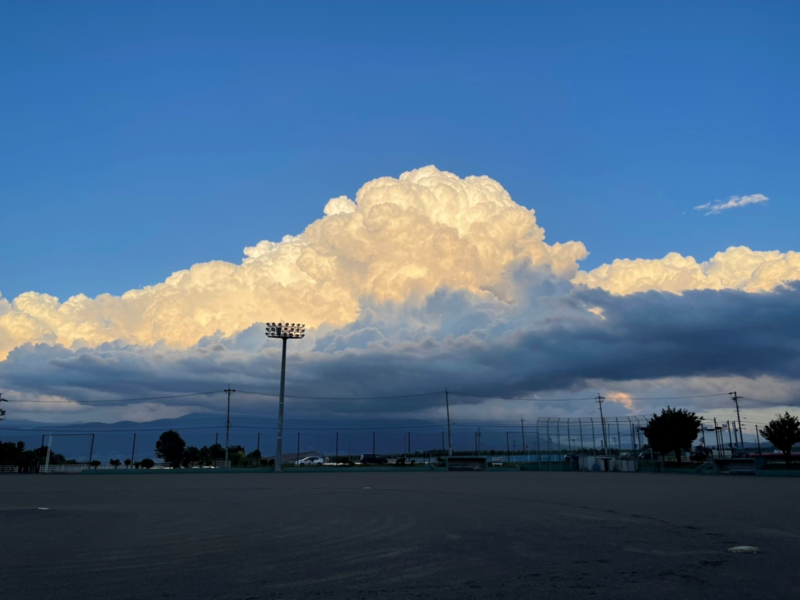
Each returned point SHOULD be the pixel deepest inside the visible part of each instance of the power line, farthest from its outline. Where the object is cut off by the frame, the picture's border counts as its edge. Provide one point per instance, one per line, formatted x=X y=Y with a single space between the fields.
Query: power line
x=517 y=398
x=111 y=400
x=348 y=428
x=345 y=397
x=671 y=397
x=45 y=429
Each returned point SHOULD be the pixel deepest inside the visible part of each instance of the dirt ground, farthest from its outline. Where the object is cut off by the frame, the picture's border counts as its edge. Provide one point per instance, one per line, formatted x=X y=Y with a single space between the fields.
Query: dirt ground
x=398 y=535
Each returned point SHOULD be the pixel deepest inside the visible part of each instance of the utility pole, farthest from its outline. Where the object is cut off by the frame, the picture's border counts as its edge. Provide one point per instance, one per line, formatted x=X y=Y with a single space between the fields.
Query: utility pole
x=133 y=451
x=47 y=460
x=508 y=449
x=522 y=425
x=373 y=442
x=602 y=422
x=736 y=397
x=229 y=391
x=449 y=434
x=758 y=439
x=729 y=436
x=298 y=448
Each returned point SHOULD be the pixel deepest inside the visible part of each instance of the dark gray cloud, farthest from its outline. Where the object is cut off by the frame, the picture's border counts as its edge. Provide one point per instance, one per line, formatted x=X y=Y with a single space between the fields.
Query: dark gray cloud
x=545 y=341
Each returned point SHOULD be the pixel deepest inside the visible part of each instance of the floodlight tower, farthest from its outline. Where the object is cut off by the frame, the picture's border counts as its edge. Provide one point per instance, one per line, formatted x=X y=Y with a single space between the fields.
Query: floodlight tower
x=284 y=331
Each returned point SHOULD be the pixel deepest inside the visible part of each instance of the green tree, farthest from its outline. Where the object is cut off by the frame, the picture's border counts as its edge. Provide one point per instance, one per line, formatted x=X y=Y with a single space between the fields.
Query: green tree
x=191 y=455
x=147 y=463
x=115 y=462
x=170 y=447
x=214 y=452
x=673 y=430
x=127 y=463
x=783 y=432
x=237 y=458
x=95 y=464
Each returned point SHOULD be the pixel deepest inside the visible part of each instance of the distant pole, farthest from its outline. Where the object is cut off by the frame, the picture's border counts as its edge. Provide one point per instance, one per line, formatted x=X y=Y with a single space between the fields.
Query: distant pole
x=580 y=431
x=736 y=397
x=508 y=449
x=716 y=434
x=298 y=447
x=258 y=442
x=91 y=449
x=538 y=447
x=475 y=436
x=229 y=391
x=337 y=447
x=449 y=433
x=569 y=438
x=409 y=444
x=758 y=439
x=133 y=451
x=729 y=436
x=522 y=425
x=602 y=422
x=443 y=441
x=47 y=460
x=619 y=438
x=373 y=442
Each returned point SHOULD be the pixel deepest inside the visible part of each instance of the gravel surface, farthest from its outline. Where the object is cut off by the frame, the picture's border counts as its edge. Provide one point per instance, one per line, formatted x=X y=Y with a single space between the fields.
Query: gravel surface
x=398 y=535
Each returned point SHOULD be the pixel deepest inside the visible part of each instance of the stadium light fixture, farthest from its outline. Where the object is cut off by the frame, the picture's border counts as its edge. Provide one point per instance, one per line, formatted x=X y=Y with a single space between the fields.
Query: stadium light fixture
x=283 y=331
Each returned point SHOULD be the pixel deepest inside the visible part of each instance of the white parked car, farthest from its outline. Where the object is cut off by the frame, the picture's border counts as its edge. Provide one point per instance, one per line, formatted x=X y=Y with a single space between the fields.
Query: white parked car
x=310 y=461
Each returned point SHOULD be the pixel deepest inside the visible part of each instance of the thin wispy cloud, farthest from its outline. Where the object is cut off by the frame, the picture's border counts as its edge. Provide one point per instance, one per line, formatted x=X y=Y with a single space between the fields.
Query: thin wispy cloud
x=716 y=207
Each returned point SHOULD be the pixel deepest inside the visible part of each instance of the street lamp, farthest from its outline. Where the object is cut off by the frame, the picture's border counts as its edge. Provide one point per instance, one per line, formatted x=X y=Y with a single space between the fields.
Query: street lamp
x=284 y=331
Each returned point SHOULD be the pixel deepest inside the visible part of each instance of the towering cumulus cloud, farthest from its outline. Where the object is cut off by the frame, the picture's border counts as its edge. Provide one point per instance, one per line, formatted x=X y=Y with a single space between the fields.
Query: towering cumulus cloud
x=422 y=282
x=400 y=238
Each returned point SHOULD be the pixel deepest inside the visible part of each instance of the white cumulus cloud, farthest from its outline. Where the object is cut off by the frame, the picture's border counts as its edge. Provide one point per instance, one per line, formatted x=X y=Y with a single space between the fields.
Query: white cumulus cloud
x=716 y=207
x=736 y=268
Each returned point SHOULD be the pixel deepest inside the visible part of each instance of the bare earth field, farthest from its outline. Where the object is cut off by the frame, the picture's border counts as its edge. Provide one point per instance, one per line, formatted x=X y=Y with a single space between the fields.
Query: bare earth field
x=398 y=535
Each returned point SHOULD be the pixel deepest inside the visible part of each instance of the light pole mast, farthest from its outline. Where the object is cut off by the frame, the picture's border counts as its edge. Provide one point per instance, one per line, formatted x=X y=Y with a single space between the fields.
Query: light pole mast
x=284 y=331
x=228 y=422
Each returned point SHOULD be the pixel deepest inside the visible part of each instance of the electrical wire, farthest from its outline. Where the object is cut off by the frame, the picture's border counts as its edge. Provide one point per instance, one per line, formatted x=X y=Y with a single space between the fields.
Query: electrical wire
x=343 y=397
x=112 y=400
x=523 y=399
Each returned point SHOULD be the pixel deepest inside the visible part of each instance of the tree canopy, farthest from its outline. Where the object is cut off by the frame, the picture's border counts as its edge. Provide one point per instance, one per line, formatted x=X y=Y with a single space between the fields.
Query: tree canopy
x=672 y=431
x=783 y=432
x=170 y=447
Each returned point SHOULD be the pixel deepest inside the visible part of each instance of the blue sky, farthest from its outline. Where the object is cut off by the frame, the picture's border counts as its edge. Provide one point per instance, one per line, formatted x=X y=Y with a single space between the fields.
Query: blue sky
x=140 y=138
